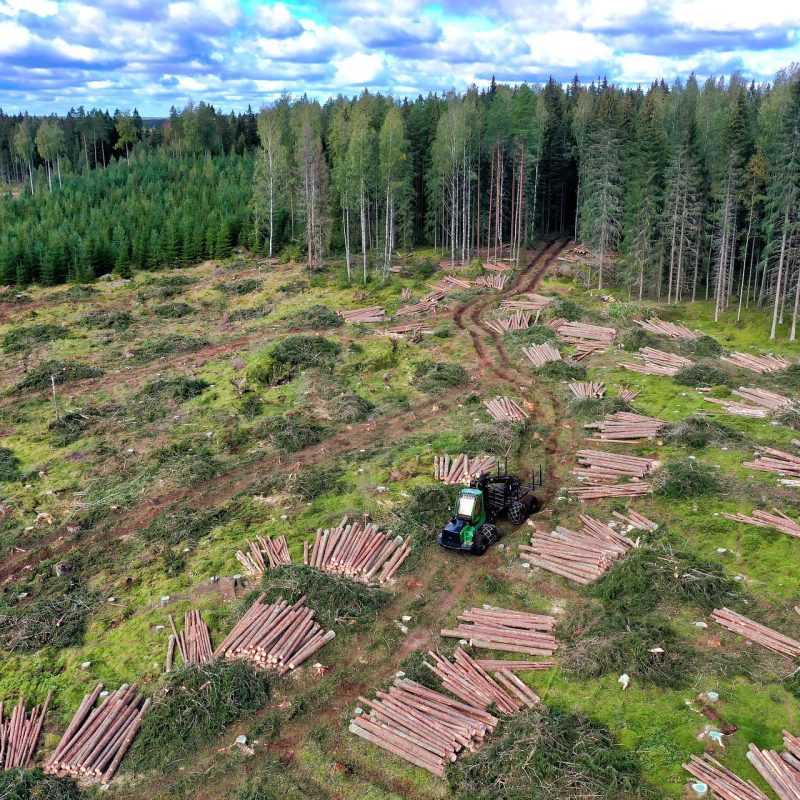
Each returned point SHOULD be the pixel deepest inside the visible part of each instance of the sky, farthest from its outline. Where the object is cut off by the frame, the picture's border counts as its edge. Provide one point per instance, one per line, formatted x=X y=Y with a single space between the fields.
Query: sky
x=153 y=54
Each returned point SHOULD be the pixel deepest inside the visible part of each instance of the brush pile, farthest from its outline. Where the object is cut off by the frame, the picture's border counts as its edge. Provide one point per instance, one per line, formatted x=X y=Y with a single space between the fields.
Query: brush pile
x=635 y=521
x=658 y=362
x=625 y=426
x=502 y=629
x=503 y=409
x=780 y=770
x=596 y=467
x=586 y=390
x=461 y=469
x=579 y=333
x=770 y=460
x=541 y=354
x=763 y=519
x=533 y=302
x=668 y=329
x=371 y=314
x=492 y=281
x=518 y=321
x=422 y=726
x=759 y=364
x=194 y=644
x=275 y=636
x=97 y=738
x=20 y=733
x=724 y=783
x=467 y=680
x=356 y=551
x=757 y=633
x=275 y=550
x=582 y=556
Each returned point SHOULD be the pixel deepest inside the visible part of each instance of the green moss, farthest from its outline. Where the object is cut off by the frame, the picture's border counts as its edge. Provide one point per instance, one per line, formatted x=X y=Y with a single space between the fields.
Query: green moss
x=9 y=466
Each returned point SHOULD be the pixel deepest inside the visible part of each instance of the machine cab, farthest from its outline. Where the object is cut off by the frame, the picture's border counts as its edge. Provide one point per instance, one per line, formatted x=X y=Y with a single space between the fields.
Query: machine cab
x=469 y=505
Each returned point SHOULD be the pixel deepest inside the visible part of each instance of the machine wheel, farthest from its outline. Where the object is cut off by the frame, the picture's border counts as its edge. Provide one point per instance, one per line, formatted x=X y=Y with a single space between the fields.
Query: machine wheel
x=517 y=512
x=533 y=504
x=486 y=536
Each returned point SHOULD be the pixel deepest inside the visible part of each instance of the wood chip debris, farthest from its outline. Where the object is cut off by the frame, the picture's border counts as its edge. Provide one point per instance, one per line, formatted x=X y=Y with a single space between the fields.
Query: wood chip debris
x=585 y=390
x=763 y=519
x=625 y=426
x=254 y=561
x=461 y=469
x=370 y=314
x=96 y=740
x=657 y=362
x=506 y=630
x=19 y=733
x=275 y=635
x=541 y=354
x=669 y=329
x=756 y=633
x=193 y=643
x=504 y=409
x=768 y=459
x=759 y=364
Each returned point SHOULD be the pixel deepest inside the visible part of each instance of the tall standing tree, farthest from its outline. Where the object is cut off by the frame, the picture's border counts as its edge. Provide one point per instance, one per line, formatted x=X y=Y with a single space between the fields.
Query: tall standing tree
x=269 y=177
x=24 y=147
x=362 y=161
x=395 y=179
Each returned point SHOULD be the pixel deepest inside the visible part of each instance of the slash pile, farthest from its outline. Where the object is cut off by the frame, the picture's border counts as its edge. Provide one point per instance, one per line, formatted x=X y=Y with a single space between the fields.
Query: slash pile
x=584 y=390
x=780 y=770
x=276 y=551
x=775 y=461
x=518 y=321
x=658 y=362
x=502 y=629
x=724 y=783
x=582 y=556
x=599 y=467
x=20 y=733
x=762 y=519
x=275 y=635
x=759 y=364
x=625 y=425
x=668 y=329
x=754 y=632
x=461 y=469
x=97 y=738
x=492 y=281
x=194 y=644
x=541 y=354
x=503 y=409
x=371 y=314
x=422 y=726
x=357 y=552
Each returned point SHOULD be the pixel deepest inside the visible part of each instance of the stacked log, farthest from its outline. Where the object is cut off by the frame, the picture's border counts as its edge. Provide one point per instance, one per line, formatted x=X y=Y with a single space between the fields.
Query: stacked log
x=448 y=264
x=276 y=552
x=425 y=306
x=504 y=409
x=556 y=323
x=460 y=469
x=775 y=461
x=194 y=644
x=541 y=354
x=738 y=409
x=628 y=395
x=19 y=734
x=668 y=329
x=610 y=490
x=772 y=401
x=359 y=552
x=97 y=738
x=635 y=520
x=412 y=330
x=492 y=281
x=763 y=519
x=513 y=666
x=759 y=364
x=585 y=390
x=450 y=284
x=580 y=332
x=532 y=302
x=757 y=633
x=422 y=726
x=658 y=362
x=275 y=635
x=495 y=266
x=585 y=349
x=625 y=426
x=472 y=684
x=518 y=321
x=371 y=314
x=582 y=556
x=503 y=629
x=780 y=770
x=724 y=783
x=597 y=466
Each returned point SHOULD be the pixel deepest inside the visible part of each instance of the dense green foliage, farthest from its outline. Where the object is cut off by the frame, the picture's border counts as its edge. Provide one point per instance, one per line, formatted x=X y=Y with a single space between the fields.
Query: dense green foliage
x=33 y=784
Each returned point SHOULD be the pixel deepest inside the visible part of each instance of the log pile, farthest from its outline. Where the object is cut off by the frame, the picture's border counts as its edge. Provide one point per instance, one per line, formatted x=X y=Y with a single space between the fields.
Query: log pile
x=422 y=726
x=780 y=770
x=532 y=302
x=371 y=314
x=585 y=390
x=492 y=281
x=599 y=467
x=450 y=284
x=504 y=409
x=759 y=364
x=635 y=520
x=757 y=633
x=518 y=321
x=275 y=550
x=610 y=490
x=275 y=636
x=625 y=426
x=19 y=733
x=502 y=629
x=412 y=330
x=668 y=329
x=541 y=354
x=759 y=402
x=424 y=306
x=495 y=266
x=768 y=459
x=581 y=333
x=738 y=409
x=658 y=362
x=467 y=680
x=556 y=323
x=97 y=738
x=513 y=666
x=628 y=395
x=356 y=551
x=460 y=469
x=763 y=519
x=194 y=644
x=582 y=556
x=725 y=784
x=585 y=349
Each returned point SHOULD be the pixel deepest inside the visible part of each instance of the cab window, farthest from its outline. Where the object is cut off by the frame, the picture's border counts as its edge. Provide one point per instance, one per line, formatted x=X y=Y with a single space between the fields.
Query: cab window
x=466 y=505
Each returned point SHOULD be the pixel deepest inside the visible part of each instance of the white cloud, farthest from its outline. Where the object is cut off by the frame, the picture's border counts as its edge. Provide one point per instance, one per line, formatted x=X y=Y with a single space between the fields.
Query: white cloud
x=568 y=48
x=359 y=69
x=41 y=8
x=13 y=38
x=735 y=15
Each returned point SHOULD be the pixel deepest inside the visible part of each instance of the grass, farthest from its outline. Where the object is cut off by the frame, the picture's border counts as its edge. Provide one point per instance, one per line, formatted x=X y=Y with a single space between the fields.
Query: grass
x=9 y=466
x=33 y=784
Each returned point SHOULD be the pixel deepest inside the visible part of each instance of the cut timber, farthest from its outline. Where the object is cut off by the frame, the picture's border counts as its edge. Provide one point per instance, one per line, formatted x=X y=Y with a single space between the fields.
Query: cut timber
x=275 y=636
x=612 y=490
x=585 y=390
x=658 y=362
x=412 y=330
x=518 y=321
x=598 y=466
x=625 y=426
x=668 y=329
x=502 y=629
x=19 y=733
x=96 y=740
x=724 y=783
x=460 y=469
x=425 y=306
x=635 y=520
x=492 y=281
x=757 y=633
x=628 y=395
x=275 y=550
x=194 y=644
x=513 y=666
x=759 y=402
x=556 y=323
x=780 y=770
x=578 y=332
x=503 y=409
x=770 y=460
x=531 y=302
x=541 y=354
x=359 y=552
x=759 y=364
x=371 y=314
x=494 y=266
x=762 y=519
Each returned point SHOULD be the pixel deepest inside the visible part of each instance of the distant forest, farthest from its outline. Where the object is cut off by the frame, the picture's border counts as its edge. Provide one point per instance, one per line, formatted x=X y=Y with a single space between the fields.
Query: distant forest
x=695 y=187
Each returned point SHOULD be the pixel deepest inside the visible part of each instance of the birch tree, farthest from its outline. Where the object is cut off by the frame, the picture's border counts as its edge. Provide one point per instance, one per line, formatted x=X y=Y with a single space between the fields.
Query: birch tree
x=269 y=178
x=395 y=179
